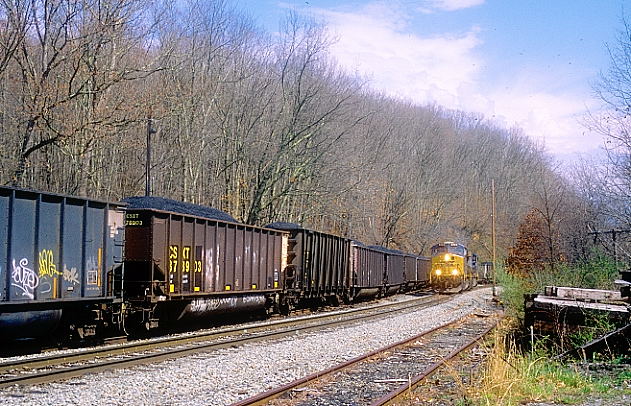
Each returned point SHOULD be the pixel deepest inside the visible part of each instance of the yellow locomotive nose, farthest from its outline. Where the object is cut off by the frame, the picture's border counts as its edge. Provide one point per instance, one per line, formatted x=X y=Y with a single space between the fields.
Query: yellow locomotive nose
x=454 y=272
x=438 y=272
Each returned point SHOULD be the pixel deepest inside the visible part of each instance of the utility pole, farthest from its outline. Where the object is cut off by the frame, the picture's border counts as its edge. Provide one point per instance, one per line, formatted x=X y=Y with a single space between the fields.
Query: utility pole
x=150 y=130
x=493 y=232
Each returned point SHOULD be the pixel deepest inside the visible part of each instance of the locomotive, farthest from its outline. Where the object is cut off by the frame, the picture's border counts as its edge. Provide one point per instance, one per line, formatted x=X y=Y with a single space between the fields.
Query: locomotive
x=453 y=268
x=82 y=268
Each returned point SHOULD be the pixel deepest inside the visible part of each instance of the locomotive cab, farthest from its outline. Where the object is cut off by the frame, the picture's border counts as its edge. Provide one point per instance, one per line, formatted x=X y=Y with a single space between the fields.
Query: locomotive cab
x=453 y=268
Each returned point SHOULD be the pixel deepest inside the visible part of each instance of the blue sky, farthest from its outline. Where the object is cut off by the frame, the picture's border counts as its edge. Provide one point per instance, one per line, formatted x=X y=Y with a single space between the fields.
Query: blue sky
x=522 y=63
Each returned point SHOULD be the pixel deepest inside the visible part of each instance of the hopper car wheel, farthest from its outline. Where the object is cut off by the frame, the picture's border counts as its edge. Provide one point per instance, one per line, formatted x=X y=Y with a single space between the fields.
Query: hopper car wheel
x=333 y=300
x=285 y=307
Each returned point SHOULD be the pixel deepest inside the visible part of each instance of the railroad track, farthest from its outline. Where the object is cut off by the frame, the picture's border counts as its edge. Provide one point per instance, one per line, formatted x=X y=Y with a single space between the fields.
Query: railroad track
x=54 y=367
x=385 y=375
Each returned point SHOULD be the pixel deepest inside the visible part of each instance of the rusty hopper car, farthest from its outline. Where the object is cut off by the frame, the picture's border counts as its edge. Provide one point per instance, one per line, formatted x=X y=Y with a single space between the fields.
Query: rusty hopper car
x=317 y=265
x=186 y=266
x=60 y=263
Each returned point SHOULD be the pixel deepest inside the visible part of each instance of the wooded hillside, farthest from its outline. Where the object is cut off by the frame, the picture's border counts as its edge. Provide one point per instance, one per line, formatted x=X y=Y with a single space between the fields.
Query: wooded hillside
x=265 y=127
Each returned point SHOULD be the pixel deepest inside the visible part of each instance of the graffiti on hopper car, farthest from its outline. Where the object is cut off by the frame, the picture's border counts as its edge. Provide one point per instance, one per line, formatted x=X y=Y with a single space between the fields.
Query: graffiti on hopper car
x=211 y=304
x=71 y=275
x=24 y=278
x=47 y=265
x=205 y=305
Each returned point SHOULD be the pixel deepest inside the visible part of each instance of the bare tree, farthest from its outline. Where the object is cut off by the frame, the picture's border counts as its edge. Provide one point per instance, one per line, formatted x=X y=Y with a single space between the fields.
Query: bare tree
x=614 y=89
x=265 y=127
x=15 y=19
x=71 y=67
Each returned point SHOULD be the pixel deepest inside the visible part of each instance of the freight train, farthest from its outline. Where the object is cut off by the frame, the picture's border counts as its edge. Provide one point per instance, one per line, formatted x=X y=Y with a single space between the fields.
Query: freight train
x=83 y=268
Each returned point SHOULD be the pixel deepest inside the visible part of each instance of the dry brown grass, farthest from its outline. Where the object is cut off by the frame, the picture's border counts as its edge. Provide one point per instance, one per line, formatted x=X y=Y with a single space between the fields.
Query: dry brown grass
x=511 y=377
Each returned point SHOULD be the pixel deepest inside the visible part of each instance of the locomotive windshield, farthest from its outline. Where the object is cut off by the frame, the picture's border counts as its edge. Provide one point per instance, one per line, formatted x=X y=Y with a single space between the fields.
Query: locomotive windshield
x=450 y=248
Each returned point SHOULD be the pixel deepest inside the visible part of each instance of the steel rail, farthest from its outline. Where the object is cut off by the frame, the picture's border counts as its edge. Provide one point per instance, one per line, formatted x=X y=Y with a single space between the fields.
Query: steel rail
x=135 y=346
x=388 y=398
x=303 y=326
x=263 y=398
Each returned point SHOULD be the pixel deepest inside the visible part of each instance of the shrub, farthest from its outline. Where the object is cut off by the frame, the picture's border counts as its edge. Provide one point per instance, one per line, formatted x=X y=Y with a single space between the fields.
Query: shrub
x=598 y=273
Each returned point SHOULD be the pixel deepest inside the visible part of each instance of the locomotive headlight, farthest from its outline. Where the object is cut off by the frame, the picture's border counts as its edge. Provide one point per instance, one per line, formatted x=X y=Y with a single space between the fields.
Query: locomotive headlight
x=454 y=272
x=447 y=257
x=438 y=272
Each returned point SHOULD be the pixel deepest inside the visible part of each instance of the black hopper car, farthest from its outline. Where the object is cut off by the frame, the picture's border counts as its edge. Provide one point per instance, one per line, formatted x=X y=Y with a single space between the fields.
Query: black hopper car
x=61 y=264
x=84 y=268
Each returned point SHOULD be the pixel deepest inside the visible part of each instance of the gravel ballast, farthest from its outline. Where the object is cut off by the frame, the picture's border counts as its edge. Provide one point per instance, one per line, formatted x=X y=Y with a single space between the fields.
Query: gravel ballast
x=224 y=376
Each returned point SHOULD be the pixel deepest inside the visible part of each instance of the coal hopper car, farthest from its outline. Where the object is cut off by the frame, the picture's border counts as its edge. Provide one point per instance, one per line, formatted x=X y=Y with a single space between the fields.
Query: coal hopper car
x=317 y=266
x=60 y=264
x=367 y=272
x=423 y=266
x=416 y=271
x=394 y=269
x=185 y=262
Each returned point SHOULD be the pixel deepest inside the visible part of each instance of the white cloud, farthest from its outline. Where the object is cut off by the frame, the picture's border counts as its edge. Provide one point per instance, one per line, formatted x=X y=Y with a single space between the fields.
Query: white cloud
x=546 y=117
x=450 y=5
x=551 y=119
x=375 y=42
x=378 y=42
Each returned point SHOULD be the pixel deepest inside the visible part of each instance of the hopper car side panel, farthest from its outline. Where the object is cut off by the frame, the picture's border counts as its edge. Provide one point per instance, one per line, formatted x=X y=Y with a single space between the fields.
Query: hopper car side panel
x=4 y=244
x=57 y=253
x=368 y=271
x=395 y=272
x=368 y=267
x=318 y=262
x=189 y=256
x=325 y=262
x=423 y=265
x=409 y=266
x=57 y=248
